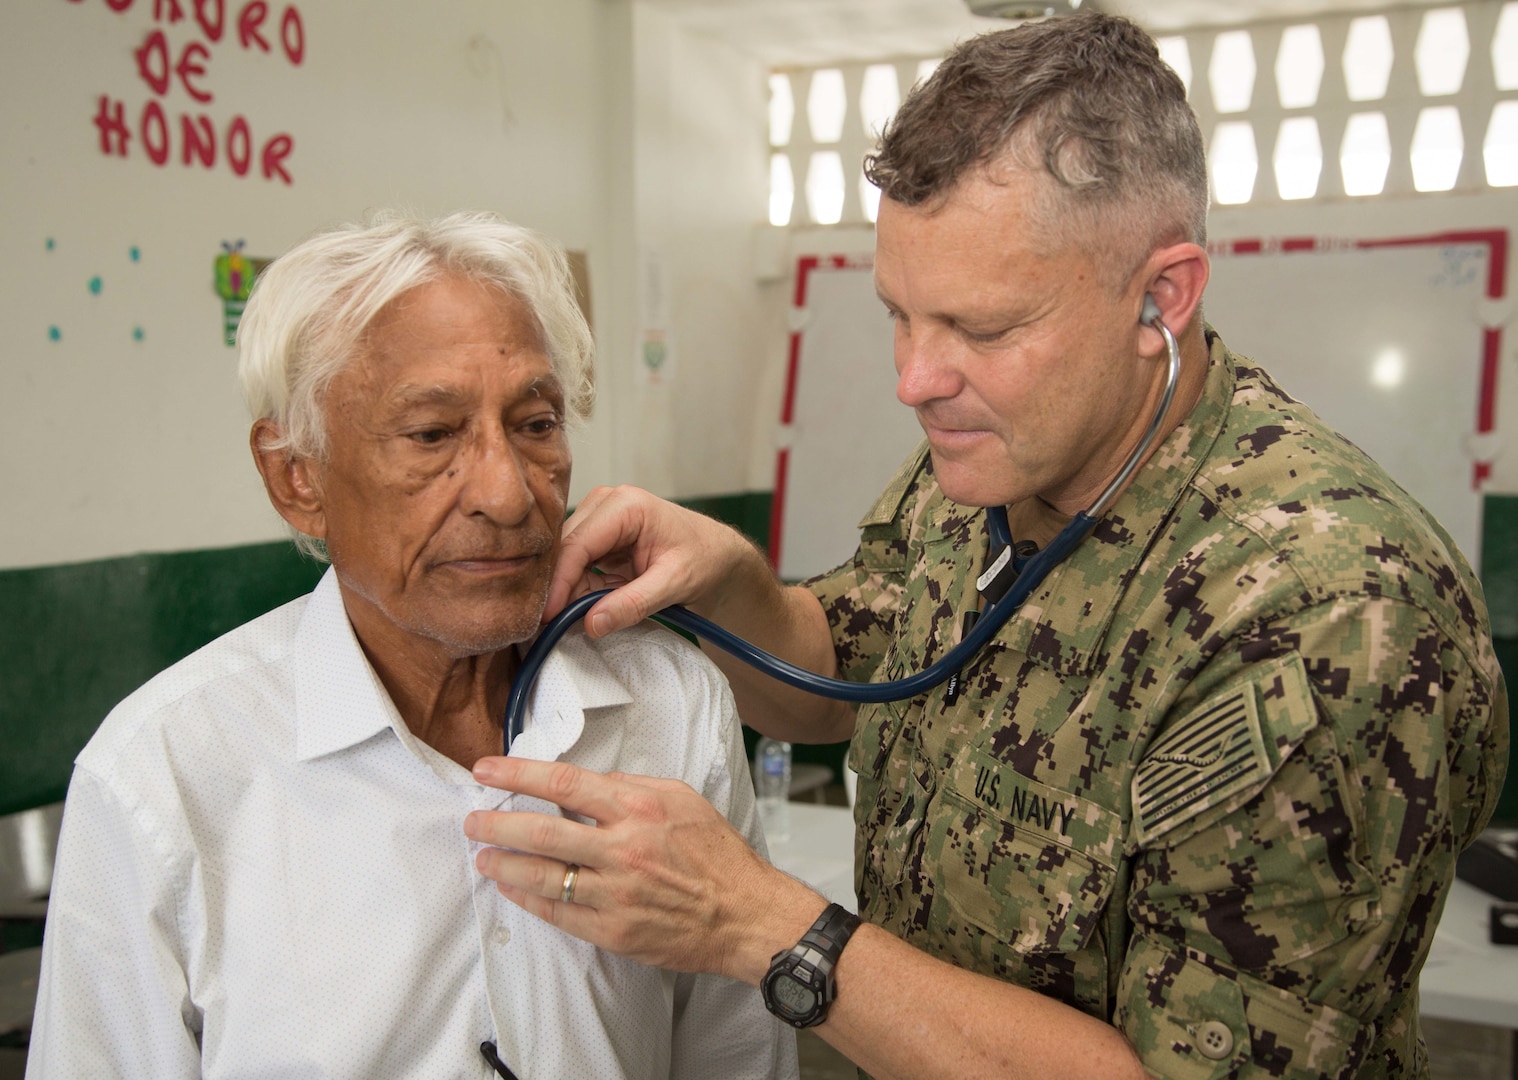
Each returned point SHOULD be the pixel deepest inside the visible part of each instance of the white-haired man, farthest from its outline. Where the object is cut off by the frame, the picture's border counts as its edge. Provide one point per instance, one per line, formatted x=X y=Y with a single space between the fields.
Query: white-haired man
x=263 y=870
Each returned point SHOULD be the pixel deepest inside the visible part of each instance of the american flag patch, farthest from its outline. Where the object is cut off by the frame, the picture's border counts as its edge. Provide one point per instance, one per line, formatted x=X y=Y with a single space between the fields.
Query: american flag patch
x=1208 y=756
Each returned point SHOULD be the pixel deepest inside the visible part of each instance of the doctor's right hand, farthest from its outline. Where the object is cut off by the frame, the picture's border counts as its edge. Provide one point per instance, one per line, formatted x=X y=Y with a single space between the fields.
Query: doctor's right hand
x=654 y=553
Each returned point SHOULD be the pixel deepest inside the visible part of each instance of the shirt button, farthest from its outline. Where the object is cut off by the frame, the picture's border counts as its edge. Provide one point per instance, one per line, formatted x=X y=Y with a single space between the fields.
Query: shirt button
x=502 y=935
x=1215 y=1040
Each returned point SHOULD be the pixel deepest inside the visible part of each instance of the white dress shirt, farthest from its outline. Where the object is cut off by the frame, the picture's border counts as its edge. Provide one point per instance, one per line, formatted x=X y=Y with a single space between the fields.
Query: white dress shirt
x=262 y=873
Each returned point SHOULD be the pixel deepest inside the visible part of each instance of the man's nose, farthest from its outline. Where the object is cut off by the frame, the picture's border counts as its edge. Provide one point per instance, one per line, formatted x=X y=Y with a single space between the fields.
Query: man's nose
x=924 y=371
x=495 y=481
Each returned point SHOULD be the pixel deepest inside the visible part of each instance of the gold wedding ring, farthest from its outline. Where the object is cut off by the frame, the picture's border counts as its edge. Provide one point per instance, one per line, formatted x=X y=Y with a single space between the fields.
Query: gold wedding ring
x=571 y=875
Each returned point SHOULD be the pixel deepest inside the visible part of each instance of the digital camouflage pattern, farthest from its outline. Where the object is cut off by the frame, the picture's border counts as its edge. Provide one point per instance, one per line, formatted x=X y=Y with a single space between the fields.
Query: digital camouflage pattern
x=1210 y=781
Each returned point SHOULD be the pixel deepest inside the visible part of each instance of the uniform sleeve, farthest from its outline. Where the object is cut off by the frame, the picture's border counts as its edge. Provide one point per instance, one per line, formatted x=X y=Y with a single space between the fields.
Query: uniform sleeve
x=112 y=999
x=721 y=1025
x=861 y=596
x=1295 y=831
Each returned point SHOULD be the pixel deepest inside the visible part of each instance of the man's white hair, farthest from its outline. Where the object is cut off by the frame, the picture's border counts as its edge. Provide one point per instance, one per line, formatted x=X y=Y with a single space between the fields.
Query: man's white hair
x=310 y=308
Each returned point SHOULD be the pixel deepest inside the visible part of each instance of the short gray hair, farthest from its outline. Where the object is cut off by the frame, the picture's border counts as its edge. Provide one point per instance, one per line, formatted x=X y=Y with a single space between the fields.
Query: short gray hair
x=310 y=308
x=1086 y=99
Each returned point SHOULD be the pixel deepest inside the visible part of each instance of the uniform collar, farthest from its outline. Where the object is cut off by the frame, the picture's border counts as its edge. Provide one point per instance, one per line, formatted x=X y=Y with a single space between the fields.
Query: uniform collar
x=1064 y=623
x=340 y=701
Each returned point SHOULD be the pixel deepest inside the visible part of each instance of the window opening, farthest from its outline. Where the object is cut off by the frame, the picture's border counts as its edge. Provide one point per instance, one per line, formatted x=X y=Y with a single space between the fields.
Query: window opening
x=1299 y=66
x=826 y=105
x=1175 y=52
x=1365 y=154
x=1298 y=158
x=869 y=199
x=879 y=97
x=1231 y=72
x=1500 y=149
x=782 y=189
x=1441 y=52
x=1505 y=48
x=1234 y=162
x=824 y=187
x=1438 y=146
x=782 y=110
x=1367 y=58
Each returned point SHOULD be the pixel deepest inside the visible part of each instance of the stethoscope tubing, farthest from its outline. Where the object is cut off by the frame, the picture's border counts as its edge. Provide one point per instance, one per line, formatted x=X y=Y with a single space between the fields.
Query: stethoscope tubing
x=1031 y=576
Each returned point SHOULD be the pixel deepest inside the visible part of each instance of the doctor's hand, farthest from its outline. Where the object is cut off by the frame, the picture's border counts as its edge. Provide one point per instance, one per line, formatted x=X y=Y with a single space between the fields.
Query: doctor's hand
x=663 y=878
x=659 y=553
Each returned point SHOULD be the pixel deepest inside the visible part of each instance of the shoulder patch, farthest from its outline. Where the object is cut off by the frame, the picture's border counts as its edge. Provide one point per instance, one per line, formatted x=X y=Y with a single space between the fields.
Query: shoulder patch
x=1208 y=756
x=889 y=504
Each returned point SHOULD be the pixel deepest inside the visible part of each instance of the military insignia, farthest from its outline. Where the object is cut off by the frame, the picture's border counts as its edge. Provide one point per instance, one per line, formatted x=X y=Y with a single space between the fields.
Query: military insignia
x=1207 y=757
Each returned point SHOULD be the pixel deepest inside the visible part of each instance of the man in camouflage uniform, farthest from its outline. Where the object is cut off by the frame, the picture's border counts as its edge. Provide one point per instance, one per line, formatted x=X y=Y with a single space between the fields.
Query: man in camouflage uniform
x=1195 y=810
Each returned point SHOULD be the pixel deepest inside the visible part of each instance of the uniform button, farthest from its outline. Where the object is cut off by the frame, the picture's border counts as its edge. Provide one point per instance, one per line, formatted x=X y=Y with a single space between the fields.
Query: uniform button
x=503 y=935
x=1215 y=1040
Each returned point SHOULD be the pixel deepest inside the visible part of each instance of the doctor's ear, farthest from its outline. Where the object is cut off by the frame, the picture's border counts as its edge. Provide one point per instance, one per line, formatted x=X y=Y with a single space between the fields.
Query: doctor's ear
x=292 y=482
x=1174 y=279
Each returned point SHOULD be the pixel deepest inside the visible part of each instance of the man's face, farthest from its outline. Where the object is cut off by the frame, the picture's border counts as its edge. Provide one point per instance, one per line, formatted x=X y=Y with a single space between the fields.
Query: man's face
x=1018 y=355
x=449 y=472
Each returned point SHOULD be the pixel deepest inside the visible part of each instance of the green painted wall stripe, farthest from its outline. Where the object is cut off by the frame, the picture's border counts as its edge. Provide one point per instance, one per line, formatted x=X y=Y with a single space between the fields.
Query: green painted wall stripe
x=77 y=639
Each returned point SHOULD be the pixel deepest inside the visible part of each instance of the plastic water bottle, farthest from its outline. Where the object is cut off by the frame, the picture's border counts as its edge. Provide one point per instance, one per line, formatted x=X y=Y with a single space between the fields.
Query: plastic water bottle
x=772 y=785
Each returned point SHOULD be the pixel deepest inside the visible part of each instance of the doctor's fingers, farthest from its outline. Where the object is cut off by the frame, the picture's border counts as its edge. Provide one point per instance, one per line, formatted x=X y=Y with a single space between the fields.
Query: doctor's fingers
x=543 y=835
x=607 y=799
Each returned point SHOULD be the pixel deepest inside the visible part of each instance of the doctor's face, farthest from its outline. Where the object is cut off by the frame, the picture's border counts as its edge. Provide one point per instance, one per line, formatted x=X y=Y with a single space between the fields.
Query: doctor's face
x=1018 y=354
x=446 y=485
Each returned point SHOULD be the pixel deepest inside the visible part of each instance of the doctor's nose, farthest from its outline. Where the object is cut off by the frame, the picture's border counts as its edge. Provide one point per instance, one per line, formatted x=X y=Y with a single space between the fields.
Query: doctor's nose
x=922 y=372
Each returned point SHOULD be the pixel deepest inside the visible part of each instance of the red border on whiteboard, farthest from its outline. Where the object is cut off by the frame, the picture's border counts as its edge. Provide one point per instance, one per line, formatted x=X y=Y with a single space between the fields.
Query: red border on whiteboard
x=1496 y=243
x=805 y=267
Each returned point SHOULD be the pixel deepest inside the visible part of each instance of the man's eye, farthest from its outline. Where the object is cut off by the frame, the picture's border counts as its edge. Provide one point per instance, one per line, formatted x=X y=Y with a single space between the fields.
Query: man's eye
x=429 y=436
x=543 y=425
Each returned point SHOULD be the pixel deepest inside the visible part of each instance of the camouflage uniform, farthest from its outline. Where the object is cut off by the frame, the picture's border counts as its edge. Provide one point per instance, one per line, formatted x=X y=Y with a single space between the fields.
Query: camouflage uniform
x=1209 y=783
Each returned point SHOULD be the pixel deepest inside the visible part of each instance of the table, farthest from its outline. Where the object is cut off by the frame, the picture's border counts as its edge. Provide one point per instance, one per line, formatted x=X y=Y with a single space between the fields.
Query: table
x=1466 y=978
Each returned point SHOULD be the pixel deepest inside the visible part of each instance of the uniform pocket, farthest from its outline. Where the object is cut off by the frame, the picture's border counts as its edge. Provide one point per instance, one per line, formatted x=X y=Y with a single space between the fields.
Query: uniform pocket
x=1021 y=883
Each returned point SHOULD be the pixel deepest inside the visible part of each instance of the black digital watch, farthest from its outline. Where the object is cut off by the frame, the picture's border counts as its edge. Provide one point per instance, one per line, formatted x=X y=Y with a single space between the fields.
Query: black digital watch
x=799 y=985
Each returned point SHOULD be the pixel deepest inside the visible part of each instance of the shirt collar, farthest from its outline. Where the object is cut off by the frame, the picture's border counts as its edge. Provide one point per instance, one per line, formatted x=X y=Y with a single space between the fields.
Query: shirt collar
x=340 y=701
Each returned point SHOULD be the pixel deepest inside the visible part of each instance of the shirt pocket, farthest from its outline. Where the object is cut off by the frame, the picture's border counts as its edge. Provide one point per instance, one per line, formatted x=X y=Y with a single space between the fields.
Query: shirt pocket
x=1022 y=896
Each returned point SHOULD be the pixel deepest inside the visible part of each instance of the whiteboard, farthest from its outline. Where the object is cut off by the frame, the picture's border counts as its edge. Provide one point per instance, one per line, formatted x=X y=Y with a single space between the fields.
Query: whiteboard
x=1387 y=341
x=843 y=433
x=1332 y=320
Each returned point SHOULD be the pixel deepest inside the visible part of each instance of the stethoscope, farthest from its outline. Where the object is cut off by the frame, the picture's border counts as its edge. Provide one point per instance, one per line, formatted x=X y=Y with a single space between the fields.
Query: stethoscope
x=1006 y=583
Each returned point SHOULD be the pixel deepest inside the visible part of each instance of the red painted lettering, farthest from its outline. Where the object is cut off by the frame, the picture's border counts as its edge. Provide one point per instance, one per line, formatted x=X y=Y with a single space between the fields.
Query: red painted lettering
x=153 y=62
x=118 y=5
x=110 y=120
x=171 y=6
x=190 y=66
x=212 y=30
x=155 y=133
x=273 y=157
x=199 y=139
x=292 y=35
x=248 y=22
x=239 y=156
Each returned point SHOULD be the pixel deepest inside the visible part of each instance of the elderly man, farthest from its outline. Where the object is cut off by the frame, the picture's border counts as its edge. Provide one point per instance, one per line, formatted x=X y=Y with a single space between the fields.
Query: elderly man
x=1194 y=811
x=262 y=870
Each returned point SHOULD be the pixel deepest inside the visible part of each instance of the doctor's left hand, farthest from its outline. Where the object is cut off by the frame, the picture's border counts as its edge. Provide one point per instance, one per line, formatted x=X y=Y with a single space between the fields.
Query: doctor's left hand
x=663 y=878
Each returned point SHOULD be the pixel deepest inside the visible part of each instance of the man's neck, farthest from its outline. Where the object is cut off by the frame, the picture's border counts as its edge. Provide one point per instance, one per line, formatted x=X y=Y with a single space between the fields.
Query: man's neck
x=456 y=705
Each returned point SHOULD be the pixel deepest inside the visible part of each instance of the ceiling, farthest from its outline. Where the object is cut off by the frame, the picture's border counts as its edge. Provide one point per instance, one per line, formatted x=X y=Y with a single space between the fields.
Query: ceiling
x=799 y=33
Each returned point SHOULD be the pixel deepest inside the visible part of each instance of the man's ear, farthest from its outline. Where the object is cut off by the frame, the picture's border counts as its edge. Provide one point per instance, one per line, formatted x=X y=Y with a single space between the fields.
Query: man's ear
x=292 y=482
x=1176 y=277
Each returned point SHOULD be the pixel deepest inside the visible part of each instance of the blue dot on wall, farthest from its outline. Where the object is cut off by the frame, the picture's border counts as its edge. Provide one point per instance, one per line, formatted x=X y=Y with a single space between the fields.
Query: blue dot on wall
x=54 y=334
x=136 y=333
x=49 y=244
x=96 y=284
x=133 y=253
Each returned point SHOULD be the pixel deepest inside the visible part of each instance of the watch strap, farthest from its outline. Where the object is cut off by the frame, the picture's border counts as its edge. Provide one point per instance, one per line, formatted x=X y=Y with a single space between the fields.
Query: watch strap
x=832 y=930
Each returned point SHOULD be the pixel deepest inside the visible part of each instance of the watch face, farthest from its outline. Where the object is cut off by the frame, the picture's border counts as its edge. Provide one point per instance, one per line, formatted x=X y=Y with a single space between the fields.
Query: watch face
x=793 y=996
